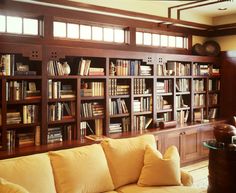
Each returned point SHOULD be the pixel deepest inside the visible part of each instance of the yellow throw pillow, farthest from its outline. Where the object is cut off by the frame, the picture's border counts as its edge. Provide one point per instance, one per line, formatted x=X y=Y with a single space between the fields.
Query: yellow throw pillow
x=160 y=170
x=82 y=169
x=125 y=157
x=8 y=187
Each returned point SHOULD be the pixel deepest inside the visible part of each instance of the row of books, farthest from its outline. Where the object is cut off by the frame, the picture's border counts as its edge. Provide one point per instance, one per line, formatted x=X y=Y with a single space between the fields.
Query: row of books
x=61 y=110
x=200 y=69
x=30 y=114
x=182 y=116
x=91 y=109
x=85 y=69
x=14 y=118
x=214 y=85
x=119 y=127
x=129 y=68
x=180 y=103
x=199 y=100
x=117 y=89
x=15 y=139
x=141 y=123
x=117 y=106
x=55 y=68
x=142 y=104
x=182 y=85
x=21 y=90
x=178 y=68
x=213 y=99
x=92 y=89
x=163 y=117
x=86 y=130
x=140 y=86
x=162 y=103
x=57 y=134
x=198 y=85
x=164 y=86
x=58 y=90
x=7 y=64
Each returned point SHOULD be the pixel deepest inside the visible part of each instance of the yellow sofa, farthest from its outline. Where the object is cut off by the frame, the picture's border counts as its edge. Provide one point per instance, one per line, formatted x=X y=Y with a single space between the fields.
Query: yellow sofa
x=112 y=166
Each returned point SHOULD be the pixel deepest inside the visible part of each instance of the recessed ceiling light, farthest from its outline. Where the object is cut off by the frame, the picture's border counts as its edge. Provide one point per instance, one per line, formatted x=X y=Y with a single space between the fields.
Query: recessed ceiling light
x=222 y=9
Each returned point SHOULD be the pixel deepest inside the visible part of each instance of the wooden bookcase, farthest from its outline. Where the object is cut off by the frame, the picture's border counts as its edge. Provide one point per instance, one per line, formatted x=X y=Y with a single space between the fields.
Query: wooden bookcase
x=133 y=98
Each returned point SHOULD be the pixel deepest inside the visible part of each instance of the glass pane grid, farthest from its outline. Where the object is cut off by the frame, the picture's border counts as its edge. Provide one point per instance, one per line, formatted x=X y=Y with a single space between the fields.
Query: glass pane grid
x=161 y=40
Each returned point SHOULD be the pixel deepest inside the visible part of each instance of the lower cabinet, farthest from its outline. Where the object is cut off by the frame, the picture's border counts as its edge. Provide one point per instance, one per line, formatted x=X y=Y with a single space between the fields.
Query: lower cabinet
x=189 y=142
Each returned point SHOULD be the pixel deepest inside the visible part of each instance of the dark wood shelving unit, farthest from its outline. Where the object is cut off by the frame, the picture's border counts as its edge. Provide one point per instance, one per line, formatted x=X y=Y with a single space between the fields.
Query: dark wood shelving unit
x=101 y=54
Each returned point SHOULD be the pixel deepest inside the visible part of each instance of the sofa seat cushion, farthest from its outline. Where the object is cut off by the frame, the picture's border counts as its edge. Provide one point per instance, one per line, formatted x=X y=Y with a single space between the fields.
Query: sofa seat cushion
x=8 y=187
x=82 y=169
x=134 y=188
x=125 y=157
x=160 y=170
x=33 y=172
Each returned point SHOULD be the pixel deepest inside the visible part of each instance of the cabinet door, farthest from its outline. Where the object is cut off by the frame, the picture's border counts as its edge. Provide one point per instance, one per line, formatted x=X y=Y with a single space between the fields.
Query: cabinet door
x=206 y=133
x=190 y=145
x=171 y=138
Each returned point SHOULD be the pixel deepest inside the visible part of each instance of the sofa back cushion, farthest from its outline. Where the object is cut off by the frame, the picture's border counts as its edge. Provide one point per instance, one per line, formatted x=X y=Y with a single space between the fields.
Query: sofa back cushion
x=8 y=187
x=125 y=157
x=33 y=172
x=82 y=169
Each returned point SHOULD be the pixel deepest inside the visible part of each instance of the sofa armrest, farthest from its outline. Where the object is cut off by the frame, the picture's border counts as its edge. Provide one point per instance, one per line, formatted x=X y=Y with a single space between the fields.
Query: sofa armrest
x=186 y=178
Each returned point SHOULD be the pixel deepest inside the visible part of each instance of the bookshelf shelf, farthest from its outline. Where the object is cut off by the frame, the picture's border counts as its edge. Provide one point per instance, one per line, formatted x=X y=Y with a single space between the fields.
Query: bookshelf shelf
x=143 y=113
x=63 y=121
x=63 y=77
x=21 y=125
x=142 y=95
x=120 y=115
x=164 y=110
x=182 y=93
x=91 y=118
x=92 y=98
x=27 y=101
x=199 y=92
x=184 y=108
x=23 y=77
x=119 y=96
x=199 y=107
x=165 y=94
x=93 y=77
x=61 y=100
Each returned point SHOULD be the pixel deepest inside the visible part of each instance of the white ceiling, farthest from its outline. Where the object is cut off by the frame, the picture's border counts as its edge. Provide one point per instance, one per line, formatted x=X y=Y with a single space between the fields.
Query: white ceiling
x=206 y=10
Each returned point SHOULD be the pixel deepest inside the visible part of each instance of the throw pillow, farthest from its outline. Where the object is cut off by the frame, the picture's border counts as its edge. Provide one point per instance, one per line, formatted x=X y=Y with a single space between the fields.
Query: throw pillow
x=160 y=170
x=8 y=187
x=82 y=169
x=125 y=157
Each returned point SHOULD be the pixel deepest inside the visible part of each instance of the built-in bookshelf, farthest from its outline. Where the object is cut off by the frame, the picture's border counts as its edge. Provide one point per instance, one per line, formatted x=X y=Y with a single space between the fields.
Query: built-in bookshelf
x=21 y=100
x=73 y=95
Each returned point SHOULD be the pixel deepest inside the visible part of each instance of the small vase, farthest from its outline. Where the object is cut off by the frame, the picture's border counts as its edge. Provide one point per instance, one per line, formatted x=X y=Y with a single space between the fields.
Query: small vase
x=66 y=68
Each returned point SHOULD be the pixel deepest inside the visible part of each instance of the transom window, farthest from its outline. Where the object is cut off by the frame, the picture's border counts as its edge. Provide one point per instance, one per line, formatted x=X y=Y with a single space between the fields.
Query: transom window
x=19 y=25
x=161 y=40
x=88 y=32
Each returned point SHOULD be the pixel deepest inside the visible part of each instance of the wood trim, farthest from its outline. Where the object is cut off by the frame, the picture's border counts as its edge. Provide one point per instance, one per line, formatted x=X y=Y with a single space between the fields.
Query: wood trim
x=123 y=12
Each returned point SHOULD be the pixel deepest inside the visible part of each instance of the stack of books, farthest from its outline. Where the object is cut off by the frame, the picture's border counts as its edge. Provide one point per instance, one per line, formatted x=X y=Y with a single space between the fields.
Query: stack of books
x=13 y=118
x=55 y=134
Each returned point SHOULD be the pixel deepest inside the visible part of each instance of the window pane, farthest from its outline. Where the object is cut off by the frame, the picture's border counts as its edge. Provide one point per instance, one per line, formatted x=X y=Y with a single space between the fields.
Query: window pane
x=30 y=26
x=14 y=25
x=72 y=30
x=171 y=41
x=97 y=33
x=139 y=38
x=119 y=35
x=85 y=32
x=164 y=40
x=155 y=39
x=147 y=38
x=179 y=42
x=59 y=29
x=108 y=34
x=2 y=23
